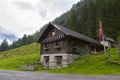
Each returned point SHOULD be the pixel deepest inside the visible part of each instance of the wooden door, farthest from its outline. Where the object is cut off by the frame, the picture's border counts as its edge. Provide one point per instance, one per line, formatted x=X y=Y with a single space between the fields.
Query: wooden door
x=46 y=58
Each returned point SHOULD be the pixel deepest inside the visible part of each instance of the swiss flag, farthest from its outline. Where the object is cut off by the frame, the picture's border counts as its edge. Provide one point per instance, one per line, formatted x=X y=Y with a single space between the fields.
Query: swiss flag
x=100 y=31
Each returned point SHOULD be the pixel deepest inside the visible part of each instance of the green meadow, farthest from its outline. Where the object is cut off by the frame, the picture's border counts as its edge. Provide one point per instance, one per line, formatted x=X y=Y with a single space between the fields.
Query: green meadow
x=86 y=64
x=25 y=55
x=93 y=65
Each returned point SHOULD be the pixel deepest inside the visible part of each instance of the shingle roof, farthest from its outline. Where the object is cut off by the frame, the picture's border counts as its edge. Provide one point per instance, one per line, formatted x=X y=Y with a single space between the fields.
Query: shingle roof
x=72 y=33
x=110 y=39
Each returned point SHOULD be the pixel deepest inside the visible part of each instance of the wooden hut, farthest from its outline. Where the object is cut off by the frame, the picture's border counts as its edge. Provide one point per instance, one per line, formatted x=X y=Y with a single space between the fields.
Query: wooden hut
x=61 y=46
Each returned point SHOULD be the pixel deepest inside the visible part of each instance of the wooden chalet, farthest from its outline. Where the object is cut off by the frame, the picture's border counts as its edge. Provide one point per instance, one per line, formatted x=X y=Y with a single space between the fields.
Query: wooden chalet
x=61 y=46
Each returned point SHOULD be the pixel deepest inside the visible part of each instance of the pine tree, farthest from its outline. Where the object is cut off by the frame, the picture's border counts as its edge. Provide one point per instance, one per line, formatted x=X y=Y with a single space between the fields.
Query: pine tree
x=4 y=45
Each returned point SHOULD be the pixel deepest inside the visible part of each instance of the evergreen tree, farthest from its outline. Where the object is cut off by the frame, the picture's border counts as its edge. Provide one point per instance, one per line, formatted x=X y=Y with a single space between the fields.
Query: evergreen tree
x=4 y=45
x=72 y=22
x=84 y=17
x=24 y=40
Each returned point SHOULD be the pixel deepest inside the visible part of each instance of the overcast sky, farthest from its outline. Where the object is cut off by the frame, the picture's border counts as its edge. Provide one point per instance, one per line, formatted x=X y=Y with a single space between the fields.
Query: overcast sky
x=27 y=16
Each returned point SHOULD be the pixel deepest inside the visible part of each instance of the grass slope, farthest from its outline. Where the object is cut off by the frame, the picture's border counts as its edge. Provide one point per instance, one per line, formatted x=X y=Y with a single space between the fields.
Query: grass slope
x=93 y=64
x=25 y=55
x=87 y=64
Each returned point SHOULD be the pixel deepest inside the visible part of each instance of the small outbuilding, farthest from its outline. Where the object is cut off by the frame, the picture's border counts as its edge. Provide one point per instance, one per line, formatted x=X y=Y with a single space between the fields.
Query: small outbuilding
x=109 y=42
x=60 y=46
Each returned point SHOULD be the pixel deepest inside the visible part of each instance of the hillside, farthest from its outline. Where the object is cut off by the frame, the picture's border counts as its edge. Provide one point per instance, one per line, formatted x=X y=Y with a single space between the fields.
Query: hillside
x=93 y=64
x=25 y=55
x=87 y=64
x=84 y=17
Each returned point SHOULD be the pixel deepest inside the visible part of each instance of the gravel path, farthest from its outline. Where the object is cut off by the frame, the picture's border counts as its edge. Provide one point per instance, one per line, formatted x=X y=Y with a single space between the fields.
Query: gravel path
x=18 y=75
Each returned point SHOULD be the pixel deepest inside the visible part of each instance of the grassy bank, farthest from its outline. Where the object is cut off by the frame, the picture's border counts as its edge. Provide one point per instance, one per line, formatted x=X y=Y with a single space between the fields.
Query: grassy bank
x=87 y=64
x=25 y=55
x=93 y=64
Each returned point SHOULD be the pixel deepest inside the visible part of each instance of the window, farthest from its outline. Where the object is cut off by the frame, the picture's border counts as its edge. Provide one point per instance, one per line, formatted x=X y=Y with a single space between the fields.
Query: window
x=57 y=45
x=46 y=59
x=76 y=51
x=58 y=60
x=61 y=43
x=46 y=47
x=86 y=47
x=52 y=34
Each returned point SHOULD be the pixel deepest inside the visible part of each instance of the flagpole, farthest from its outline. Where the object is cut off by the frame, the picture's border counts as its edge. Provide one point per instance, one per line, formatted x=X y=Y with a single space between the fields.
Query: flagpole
x=103 y=38
x=104 y=44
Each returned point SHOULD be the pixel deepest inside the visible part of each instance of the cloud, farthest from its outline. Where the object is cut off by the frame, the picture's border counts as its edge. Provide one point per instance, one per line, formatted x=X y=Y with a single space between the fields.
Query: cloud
x=27 y=16
x=24 y=5
x=43 y=13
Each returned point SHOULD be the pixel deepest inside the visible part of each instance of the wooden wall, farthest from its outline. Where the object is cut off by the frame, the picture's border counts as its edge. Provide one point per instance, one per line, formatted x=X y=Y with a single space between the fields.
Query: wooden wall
x=66 y=45
x=52 y=45
x=78 y=46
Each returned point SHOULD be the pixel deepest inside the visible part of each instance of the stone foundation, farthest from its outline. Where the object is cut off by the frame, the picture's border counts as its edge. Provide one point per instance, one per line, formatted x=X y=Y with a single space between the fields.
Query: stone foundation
x=52 y=62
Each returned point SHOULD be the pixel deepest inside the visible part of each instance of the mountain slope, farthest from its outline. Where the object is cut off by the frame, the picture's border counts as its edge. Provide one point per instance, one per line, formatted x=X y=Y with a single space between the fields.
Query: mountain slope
x=25 y=55
x=84 y=17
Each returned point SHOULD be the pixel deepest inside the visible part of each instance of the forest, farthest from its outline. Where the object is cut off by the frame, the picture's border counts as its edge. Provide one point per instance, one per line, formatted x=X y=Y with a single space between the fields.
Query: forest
x=84 y=18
